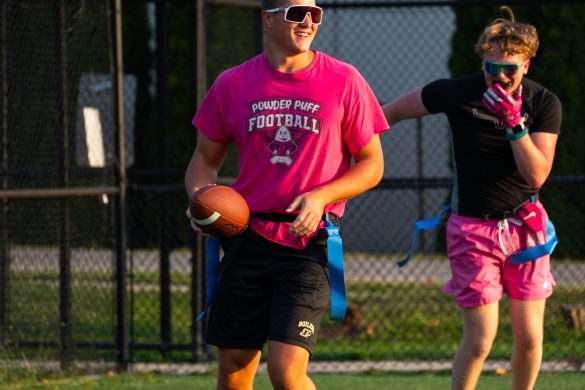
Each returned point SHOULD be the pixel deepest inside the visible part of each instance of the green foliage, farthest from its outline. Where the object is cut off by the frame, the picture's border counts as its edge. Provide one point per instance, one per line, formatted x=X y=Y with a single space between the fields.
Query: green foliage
x=233 y=35
x=138 y=61
x=469 y=24
x=558 y=66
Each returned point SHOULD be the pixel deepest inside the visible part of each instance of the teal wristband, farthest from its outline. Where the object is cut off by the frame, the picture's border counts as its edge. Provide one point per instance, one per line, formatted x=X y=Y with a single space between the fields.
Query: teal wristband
x=515 y=136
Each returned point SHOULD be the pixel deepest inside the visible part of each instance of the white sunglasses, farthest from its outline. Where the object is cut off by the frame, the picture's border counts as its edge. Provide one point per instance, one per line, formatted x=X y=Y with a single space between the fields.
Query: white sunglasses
x=298 y=13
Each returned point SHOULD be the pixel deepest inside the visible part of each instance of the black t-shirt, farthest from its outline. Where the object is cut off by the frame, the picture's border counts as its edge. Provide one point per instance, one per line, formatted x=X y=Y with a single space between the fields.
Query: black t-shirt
x=487 y=179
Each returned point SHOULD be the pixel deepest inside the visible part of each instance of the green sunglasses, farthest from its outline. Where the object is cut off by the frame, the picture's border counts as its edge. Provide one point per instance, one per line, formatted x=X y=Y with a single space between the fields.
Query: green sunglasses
x=508 y=68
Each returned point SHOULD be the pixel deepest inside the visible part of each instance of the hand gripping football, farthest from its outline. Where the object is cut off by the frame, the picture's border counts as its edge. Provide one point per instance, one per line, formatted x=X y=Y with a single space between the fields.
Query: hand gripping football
x=219 y=210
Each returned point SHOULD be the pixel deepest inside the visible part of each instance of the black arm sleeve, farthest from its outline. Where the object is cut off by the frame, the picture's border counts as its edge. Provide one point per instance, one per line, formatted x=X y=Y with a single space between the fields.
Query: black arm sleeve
x=437 y=95
x=548 y=111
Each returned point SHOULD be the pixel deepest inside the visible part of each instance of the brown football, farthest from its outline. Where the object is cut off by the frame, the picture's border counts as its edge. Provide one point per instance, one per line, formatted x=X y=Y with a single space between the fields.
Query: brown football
x=219 y=210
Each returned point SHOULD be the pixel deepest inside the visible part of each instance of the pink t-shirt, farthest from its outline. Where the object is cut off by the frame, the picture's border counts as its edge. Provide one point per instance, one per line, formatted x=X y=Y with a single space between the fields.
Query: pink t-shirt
x=294 y=131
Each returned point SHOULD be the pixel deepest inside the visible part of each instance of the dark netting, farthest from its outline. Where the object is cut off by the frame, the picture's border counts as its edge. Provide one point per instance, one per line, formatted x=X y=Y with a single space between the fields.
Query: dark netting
x=57 y=246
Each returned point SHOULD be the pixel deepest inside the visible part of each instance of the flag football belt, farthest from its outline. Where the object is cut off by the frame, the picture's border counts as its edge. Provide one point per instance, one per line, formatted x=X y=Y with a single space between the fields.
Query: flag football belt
x=529 y=254
x=215 y=267
x=508 y=213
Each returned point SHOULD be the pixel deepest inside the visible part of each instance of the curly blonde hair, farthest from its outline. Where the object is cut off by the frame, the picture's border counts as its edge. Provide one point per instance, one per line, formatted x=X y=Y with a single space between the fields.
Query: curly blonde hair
x=512 y=37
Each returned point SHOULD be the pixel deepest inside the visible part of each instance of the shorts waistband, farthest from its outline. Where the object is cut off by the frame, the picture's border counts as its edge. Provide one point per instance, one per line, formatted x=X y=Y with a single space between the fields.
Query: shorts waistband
x=507 y=213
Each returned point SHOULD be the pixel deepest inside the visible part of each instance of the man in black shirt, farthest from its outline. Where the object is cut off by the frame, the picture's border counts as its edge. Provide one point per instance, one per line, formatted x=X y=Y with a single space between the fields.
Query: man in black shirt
x=504 y=131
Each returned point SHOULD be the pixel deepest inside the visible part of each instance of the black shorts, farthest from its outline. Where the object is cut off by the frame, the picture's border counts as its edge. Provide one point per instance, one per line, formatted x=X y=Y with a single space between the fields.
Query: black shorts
x=270 y=292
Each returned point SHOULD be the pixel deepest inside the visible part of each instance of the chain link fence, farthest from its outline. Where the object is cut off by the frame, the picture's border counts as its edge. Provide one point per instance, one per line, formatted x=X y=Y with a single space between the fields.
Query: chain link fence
x=63 y=278
x=56 y=215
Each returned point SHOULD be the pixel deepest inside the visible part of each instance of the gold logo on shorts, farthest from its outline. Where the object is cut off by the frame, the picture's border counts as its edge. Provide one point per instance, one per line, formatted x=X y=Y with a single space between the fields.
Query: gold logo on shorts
x=308 y=329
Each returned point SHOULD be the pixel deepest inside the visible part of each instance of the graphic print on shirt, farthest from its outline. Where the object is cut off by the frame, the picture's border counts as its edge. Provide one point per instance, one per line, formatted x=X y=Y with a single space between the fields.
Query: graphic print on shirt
x=283 y=123
x=490 y=118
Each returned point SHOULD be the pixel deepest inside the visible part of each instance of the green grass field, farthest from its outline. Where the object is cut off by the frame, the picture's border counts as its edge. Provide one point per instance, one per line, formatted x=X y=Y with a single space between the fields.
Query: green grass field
x=410 y=381
x=399 y=321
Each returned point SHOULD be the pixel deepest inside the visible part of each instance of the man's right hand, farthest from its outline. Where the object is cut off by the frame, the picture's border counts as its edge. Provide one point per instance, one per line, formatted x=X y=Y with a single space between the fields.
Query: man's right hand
x=505 y=107
x=193 y=224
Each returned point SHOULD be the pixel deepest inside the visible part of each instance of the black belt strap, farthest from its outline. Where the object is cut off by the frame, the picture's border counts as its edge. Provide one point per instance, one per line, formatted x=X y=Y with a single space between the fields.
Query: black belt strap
x=236 y=241
x=279 y=217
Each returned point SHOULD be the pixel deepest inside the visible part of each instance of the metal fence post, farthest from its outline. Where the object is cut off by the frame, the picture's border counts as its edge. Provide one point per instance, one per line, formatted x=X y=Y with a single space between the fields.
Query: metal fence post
x=121 y=183
x=198 y=261
x=198 y=298
x=4 y=259
x=163 y=214
x=66 y=341
x=420 y=162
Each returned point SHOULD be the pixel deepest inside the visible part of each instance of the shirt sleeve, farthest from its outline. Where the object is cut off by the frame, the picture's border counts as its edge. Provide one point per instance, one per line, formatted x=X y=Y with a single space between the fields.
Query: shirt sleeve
x=437 y=96
x=209 y=118
x=548 y=114
x=365 y=117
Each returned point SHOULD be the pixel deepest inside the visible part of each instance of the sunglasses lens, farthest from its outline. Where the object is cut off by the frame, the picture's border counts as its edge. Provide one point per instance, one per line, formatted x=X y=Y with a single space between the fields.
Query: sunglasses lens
x=297 y=14
x=495 y=69
x=510 y=70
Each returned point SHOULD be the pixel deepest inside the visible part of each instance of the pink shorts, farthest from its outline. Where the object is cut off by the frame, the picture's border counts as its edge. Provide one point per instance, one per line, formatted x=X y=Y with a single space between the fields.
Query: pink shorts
x=480 y=272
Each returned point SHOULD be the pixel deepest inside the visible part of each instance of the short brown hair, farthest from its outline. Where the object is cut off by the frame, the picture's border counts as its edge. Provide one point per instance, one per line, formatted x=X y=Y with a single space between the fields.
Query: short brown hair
x=269 y=4
x=512 y=37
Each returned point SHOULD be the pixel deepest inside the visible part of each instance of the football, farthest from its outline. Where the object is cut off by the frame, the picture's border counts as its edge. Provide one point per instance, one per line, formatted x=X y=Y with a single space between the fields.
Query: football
x=219 y=210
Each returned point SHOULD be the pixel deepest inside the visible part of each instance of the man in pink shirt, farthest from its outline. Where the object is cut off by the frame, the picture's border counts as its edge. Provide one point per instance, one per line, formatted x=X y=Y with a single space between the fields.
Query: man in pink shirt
x=297 y=117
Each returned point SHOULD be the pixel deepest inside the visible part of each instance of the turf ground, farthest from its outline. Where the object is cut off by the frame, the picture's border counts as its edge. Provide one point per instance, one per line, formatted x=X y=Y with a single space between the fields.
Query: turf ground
x=410 y=381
